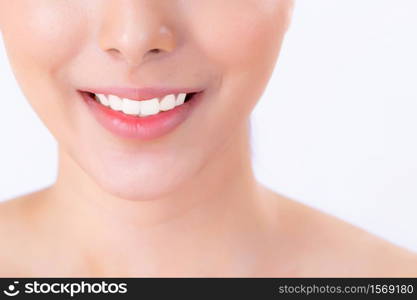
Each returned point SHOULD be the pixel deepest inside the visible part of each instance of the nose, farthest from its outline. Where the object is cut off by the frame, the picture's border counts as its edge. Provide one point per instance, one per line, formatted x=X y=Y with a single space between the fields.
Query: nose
x=135 y=30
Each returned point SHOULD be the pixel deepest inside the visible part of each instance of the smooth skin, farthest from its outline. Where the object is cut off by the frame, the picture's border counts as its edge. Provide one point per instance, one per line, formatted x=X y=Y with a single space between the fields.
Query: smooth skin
x=185 y=204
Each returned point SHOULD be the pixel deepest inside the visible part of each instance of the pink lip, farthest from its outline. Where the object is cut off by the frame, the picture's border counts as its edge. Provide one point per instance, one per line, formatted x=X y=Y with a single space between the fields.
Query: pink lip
x=140 y=93
x=142 y=128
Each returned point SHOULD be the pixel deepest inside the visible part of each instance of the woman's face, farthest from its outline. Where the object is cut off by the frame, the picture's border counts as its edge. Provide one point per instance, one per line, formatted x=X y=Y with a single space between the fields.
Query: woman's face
x=225 y=50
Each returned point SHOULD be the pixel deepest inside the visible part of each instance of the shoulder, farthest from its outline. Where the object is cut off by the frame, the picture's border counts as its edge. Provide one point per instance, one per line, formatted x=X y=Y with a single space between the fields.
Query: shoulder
x=12 y=216
x=17 y=212
x=17 y=232
x=327 y=246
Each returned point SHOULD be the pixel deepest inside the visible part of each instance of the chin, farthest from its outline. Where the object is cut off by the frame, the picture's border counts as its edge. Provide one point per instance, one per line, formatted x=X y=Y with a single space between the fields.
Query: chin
x=146 y=182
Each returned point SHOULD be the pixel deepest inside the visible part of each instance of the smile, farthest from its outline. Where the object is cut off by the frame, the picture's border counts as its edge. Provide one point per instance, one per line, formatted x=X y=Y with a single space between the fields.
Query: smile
x=140 y=113
x=142 y=108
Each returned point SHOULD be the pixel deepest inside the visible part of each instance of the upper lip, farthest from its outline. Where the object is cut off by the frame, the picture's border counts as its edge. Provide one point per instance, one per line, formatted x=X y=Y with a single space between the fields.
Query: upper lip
x=140 y=93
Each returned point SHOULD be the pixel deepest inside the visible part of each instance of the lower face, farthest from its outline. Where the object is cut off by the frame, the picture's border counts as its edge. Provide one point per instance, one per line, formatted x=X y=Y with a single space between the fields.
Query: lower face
x=108 y=114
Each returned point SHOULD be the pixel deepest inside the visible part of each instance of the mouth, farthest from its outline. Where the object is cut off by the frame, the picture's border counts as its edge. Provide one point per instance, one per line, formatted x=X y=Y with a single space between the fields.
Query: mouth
x=141 y=113
x=141 y=108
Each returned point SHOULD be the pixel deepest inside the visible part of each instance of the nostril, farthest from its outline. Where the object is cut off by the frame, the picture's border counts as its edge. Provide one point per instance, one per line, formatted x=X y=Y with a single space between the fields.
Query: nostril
x=155 y=51
x=114 y=52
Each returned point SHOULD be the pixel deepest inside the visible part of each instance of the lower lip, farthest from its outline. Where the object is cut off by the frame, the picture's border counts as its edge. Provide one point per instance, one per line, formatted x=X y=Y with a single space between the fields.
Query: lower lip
x=142 y=128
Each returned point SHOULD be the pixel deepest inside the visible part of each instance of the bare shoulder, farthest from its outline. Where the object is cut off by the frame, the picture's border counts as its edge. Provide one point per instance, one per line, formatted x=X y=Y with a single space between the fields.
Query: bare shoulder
x=11 y=216
x=16 y=231
x=327 y=246
x=14 y=212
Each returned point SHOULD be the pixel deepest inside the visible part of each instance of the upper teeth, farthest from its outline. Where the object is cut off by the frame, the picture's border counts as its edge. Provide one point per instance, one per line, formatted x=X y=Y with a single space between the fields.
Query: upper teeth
x=141 y=108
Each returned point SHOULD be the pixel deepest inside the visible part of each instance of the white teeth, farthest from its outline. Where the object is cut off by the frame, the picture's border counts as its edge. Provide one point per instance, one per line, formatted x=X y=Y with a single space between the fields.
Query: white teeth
x=115 y=102
x=167 y=103
x=143 y=107
x=103 y=99
x=130 y=107
x=149 y=107
x=180 y=99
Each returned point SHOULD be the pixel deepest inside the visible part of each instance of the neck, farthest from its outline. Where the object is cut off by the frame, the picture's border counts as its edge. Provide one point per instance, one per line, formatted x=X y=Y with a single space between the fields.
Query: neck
x=213 y=204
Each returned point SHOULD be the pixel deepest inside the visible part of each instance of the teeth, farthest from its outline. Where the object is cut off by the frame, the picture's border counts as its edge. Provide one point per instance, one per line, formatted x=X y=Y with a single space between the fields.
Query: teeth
x=149 y=107
x=141 y=108
x=103 y=99
x=167 y=103
x=115 y=102
x=180 y=99
x=131 y=107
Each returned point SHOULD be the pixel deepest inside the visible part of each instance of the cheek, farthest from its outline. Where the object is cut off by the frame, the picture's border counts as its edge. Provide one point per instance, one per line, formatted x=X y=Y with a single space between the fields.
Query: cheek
x=45 y=35
x=241 y=38
x=40 y=44
x=244 y=32
x=243 y=43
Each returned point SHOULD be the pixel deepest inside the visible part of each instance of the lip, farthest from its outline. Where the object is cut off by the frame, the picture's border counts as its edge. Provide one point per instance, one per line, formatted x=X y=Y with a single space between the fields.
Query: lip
x=134 y=127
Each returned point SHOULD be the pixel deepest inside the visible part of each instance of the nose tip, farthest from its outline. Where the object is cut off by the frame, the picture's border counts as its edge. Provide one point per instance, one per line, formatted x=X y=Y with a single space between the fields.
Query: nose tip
x=135 y=35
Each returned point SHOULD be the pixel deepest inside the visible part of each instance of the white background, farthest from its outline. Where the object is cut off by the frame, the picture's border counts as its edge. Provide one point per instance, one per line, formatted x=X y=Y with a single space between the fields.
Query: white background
x=335 y=128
